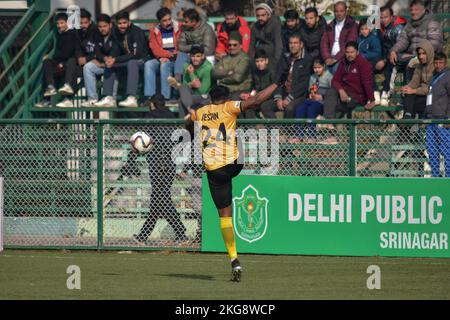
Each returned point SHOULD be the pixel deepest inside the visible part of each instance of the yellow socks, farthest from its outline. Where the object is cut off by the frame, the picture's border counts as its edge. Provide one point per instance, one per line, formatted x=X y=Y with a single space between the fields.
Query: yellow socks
x=228 y=236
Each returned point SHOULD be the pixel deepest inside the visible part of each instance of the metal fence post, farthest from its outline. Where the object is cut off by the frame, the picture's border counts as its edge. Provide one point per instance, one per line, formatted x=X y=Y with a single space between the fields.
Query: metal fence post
x=352 y=150
x=100 y=186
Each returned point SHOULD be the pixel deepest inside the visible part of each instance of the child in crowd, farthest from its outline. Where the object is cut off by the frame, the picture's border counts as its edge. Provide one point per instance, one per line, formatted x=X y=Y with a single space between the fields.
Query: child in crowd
x=311 y=108
x=369 y=46
x=262 y=76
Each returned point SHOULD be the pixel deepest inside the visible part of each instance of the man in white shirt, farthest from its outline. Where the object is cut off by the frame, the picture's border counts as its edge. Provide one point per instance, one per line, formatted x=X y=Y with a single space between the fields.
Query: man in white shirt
x=341 y=30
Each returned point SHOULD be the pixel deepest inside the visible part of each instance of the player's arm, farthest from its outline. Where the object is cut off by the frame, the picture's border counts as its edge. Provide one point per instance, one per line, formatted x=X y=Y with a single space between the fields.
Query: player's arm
x=261 y=97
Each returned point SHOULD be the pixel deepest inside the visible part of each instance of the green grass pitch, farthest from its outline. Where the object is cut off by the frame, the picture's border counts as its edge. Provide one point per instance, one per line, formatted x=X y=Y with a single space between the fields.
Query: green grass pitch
x=165 y=275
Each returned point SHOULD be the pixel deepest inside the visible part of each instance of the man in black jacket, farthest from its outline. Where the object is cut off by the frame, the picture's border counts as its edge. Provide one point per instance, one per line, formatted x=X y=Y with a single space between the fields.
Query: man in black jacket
x=311 y=31
x=134 y=47
x=292 y=24
x=105 y=48
x=295 y=70
x=266 y=34
x=87 y=33
x=63 y=64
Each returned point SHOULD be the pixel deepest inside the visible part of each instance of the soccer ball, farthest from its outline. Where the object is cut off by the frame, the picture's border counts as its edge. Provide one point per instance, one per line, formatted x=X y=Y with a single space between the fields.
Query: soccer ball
x=141 y=142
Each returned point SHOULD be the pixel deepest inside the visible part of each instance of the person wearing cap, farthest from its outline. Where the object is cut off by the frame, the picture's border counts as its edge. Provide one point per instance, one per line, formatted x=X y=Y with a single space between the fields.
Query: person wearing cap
x=266 y=34
x=233 y=70
x=194 y=89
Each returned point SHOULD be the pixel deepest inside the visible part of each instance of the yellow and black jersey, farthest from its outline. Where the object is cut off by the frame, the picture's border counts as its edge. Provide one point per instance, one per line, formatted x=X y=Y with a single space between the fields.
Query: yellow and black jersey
x=218 y=133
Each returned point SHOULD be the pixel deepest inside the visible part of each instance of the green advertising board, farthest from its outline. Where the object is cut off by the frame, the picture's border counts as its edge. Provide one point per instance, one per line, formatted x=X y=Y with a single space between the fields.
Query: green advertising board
x=334 y=216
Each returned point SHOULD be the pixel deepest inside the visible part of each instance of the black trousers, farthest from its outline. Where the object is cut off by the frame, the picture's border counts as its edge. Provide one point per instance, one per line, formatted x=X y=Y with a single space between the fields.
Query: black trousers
x=161 y=204
x=220 y=184
x=68 y=72
x=333 y=107
x=414 y=104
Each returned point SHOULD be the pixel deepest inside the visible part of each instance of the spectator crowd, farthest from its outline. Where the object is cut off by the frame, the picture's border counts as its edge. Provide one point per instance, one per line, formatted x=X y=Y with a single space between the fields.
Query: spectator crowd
x=324 y=69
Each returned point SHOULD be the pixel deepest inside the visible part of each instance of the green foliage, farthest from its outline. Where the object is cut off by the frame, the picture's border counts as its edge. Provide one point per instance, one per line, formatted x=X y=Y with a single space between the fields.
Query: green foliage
x=355 y=8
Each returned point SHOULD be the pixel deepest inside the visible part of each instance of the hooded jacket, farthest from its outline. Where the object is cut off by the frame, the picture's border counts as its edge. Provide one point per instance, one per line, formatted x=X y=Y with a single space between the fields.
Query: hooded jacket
x=355 y=78
x=349 y=33
x=311 y=37
x=269 y=38
x=156 y=41
x=223 y=33
x=203 y=34
x=370 y=47
x=423 y=73
x=425 y=28
x=440 y=107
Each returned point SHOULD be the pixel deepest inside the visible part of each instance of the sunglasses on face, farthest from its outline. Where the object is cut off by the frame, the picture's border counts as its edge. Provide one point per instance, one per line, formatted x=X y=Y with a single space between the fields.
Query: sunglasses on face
x=232 y=45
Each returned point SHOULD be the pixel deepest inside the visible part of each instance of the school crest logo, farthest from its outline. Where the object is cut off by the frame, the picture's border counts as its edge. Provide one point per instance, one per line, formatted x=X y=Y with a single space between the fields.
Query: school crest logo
x=250 y=215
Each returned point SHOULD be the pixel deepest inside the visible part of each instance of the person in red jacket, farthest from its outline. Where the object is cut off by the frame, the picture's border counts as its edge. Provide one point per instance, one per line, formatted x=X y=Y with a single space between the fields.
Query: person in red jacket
x=352 y=85
x=341 y=30
x=163 y=43
x=232 y=22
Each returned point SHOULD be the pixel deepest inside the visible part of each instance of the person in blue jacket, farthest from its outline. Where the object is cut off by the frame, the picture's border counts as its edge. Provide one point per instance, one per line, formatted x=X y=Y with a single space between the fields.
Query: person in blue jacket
x=369 y=46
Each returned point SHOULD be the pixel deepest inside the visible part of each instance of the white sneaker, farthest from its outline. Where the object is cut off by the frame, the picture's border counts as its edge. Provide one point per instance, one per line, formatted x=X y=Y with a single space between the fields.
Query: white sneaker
x=384 y=99
x=43 y=104
x=173 y=82
x=108 y=102
x=89 y=103
x=66 y=90
x=376 y=94
x=50 y=91
x=130 y=102
x=66 y=103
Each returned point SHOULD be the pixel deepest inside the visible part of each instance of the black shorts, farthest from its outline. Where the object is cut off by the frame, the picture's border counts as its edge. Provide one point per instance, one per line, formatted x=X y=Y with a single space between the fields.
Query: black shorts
x=220 y=184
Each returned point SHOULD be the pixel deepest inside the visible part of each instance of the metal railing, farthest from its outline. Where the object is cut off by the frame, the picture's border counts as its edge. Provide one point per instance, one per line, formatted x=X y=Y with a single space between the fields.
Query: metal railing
x=76 y=184
x=21 y=77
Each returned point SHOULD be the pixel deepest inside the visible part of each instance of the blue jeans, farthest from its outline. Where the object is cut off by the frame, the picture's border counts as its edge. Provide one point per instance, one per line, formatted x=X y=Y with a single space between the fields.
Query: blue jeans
x=438 y=143
x=90 y=73
x=309 y=109
x=131 y=68
x=151 y=68
x=182 y=58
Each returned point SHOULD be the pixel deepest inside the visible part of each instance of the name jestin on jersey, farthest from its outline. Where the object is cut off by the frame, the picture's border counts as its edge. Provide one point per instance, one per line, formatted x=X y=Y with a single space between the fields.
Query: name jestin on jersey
x=210 y=116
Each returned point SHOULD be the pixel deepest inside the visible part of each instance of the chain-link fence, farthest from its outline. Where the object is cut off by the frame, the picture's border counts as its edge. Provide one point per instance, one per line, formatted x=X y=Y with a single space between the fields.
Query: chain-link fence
x=50 y=184
x=53 y=172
